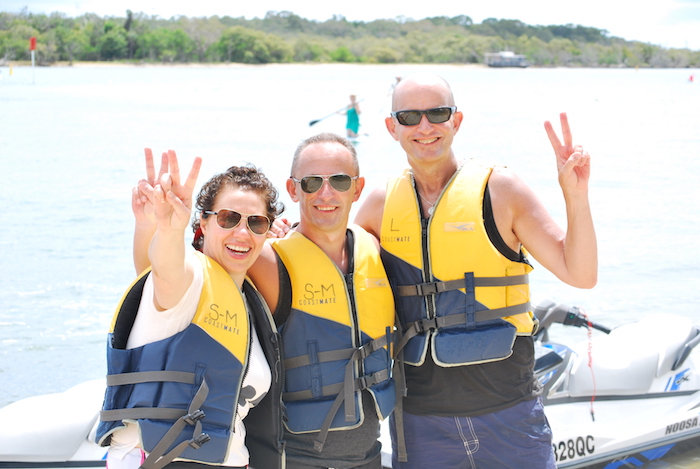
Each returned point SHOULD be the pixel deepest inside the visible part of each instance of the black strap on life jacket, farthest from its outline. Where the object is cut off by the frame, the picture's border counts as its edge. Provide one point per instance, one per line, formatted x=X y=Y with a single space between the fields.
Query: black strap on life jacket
x=157 y=458
x=344 y=391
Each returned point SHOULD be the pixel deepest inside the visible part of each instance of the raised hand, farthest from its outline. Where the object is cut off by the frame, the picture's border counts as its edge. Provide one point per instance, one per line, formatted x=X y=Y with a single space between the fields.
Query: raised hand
x=573 y=163
x=142 y=193
x=172 y=203
x=183 y=191
x=143 y=201
x=279 y=229
x=173 y=199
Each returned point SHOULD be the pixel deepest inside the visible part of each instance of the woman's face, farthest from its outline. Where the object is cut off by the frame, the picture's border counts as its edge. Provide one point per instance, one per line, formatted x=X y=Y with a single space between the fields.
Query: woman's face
x=234 y=249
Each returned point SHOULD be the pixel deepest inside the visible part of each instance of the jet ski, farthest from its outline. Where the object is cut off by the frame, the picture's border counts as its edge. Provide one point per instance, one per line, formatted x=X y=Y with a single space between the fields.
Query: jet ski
x=622 y=398
x=54 y=430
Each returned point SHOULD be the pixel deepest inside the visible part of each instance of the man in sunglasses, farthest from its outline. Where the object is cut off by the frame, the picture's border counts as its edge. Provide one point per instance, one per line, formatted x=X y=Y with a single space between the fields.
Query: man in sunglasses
x=333 y=305
x=453 y=236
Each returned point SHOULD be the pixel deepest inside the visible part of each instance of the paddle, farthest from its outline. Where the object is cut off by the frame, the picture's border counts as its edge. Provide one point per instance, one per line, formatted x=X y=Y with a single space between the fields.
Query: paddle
x=329 y=115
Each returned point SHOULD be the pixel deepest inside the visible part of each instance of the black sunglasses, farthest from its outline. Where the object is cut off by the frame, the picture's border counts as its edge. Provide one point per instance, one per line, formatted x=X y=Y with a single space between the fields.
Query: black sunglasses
x=436 y=115
x=229 y=219
x=339 y=182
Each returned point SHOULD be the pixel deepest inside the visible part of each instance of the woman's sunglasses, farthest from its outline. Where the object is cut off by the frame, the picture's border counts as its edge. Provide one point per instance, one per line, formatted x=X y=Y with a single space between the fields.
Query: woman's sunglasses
x=339 y=182
x=436 y=115
x=229 y=219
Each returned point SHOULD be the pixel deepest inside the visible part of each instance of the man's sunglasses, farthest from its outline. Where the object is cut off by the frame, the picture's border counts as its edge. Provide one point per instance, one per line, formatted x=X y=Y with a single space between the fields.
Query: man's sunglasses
x=436 y=115
x=339 y=182
x=229 y=219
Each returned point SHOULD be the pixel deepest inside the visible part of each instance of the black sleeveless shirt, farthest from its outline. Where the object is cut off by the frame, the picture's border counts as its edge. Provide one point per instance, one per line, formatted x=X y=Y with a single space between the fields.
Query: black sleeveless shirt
x=472 y=390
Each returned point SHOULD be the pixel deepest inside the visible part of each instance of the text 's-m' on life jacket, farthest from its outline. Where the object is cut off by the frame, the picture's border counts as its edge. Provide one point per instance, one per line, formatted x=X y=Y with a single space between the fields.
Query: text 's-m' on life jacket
x=337 y=337
x=183 y=390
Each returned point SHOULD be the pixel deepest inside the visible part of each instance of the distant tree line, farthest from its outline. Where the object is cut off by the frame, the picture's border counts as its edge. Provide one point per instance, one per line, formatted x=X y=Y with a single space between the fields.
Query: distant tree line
x=282 y=37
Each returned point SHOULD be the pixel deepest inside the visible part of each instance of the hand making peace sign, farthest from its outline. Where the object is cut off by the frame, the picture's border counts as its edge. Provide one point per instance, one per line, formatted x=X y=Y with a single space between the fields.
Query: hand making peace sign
x=573 y=163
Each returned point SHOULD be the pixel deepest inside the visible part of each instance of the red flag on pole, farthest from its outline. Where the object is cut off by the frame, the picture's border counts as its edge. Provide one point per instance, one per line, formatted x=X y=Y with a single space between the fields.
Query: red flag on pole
x=32 y=43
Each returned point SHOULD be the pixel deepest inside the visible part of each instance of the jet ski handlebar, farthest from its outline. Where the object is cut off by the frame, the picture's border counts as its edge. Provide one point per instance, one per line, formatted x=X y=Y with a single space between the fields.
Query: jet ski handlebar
x=549 y=312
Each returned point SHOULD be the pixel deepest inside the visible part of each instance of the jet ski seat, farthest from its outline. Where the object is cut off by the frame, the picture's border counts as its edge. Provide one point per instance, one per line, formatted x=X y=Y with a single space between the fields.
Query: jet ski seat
x=626 y=361
x=51 y=427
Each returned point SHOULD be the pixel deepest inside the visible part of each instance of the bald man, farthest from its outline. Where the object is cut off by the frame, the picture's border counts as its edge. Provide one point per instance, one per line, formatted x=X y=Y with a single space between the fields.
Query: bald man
x=452 y=238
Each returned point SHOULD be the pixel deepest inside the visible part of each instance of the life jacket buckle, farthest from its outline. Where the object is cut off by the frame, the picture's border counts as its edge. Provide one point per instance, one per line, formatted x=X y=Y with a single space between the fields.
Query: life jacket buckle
x=426 y=325
x=199 y=440
x=193 y=417
x=362 y=383
x=365 y=350
x=425 y=289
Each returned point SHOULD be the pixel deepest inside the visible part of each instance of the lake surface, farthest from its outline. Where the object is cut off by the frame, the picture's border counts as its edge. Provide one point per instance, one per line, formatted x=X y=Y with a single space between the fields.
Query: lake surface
x=71 y=148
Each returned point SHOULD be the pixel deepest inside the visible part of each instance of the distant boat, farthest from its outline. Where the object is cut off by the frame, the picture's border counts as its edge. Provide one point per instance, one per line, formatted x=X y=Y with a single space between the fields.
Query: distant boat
x=505 y=59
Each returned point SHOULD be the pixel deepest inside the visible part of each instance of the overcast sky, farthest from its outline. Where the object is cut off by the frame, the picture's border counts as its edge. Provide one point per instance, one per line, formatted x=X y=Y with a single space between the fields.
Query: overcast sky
x=668 y=23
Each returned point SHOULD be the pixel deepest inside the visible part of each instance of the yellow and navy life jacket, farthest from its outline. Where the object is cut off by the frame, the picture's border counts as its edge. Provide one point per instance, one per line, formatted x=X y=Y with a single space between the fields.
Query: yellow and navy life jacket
x=184 y=390
x=452 y=285
x=337 y=337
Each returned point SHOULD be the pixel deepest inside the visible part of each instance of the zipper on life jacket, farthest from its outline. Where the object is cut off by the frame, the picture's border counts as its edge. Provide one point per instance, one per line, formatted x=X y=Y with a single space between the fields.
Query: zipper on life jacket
x=350 y=284
x=430 y=302
x=427 y=271
x=424 y=225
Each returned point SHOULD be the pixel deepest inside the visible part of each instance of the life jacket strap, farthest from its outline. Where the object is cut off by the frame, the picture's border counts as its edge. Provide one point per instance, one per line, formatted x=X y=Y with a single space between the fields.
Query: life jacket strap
x=433 y=324
x=346 y=397
x=150 y=377
x=157 y=459
x=433 y=288
x=357 y=353
x=158 y=413
x=346 y=390
x=322 y=357
x=360 y=384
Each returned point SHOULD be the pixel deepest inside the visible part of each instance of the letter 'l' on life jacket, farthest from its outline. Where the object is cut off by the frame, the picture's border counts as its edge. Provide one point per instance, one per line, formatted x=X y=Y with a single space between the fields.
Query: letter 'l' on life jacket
x=452 y=285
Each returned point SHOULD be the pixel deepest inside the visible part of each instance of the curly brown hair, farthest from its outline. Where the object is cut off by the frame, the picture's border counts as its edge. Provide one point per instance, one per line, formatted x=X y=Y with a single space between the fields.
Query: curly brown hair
x=236 y=177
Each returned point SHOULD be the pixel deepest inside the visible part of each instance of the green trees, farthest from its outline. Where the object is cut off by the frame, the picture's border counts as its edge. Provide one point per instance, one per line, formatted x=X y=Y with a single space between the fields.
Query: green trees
x=14 y=42
x=112 y=44
x=240 y=44
x=165 y=45
x=285 y=37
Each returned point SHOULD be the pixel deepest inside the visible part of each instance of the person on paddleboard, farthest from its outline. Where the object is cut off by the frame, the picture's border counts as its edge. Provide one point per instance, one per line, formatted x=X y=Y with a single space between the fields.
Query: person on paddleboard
x=352 y=114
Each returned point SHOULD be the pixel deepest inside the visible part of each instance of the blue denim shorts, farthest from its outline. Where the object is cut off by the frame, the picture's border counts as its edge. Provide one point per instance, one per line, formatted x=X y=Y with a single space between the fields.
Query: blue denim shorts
x=518 y=437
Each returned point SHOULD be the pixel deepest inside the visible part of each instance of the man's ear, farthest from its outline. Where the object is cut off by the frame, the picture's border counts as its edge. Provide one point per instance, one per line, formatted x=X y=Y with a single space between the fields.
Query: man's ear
x=391 y=127
x=292 y=189
x=457 y=120
x=359 y=185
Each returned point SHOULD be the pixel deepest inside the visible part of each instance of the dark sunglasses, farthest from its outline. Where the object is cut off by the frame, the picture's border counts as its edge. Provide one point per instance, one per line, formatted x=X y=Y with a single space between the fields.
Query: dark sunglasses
x=436 y=115
x=229 y=219
x=339 y=182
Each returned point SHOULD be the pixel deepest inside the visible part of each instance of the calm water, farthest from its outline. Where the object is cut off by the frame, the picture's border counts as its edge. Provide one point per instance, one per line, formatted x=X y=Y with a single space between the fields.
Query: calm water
x=71 y=143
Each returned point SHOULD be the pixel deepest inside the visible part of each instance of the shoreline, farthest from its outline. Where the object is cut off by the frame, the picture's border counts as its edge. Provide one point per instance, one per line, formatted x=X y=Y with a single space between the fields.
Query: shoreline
x=106 y=64
x=101 y=64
